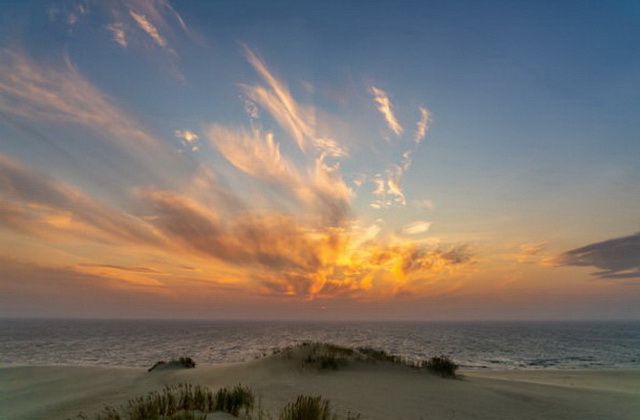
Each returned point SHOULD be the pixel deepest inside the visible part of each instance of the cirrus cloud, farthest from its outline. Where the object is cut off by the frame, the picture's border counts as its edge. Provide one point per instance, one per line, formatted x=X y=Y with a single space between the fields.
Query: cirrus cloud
x=385 y=107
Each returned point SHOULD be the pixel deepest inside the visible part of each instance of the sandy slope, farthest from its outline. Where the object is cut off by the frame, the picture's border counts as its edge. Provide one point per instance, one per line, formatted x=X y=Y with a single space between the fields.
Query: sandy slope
x=377 y=391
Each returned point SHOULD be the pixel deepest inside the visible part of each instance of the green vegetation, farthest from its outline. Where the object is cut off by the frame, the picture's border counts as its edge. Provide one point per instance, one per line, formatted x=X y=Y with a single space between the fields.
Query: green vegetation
x=307 y=408
x=194 y=402
x=378 y=355
x=325 y=356
x=183 y=362
x=181 y=402
x=441 y=365
x=311 y=408
x=233 y=400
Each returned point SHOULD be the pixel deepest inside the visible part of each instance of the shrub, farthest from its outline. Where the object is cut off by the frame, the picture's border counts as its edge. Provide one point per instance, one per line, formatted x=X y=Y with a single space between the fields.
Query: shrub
x=307 y=408
x=187 y=362
x=182 y=362
x=441 y=365
x=379 y=355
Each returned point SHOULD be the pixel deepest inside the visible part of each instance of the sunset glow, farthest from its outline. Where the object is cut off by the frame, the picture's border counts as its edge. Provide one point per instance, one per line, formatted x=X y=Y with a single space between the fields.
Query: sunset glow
x=155 y=166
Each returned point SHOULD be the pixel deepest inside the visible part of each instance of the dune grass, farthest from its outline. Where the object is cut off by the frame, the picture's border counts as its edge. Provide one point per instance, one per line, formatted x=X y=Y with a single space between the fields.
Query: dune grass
x=234 y=400
x=181 y=401
x=306 y=407
x=195 y=402
x=441 y=365
x=379 y=355
x=327 y=356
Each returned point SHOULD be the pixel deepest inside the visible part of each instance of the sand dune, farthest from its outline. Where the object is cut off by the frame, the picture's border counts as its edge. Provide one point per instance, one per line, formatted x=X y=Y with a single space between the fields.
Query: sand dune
x=376 y=391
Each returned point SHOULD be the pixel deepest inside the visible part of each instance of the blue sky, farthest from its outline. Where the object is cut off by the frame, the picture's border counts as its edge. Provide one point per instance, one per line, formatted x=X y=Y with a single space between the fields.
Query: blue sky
x=531 y=148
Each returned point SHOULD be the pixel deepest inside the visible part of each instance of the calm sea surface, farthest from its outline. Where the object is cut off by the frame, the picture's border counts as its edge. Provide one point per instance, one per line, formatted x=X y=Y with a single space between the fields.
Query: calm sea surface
x=494 y=345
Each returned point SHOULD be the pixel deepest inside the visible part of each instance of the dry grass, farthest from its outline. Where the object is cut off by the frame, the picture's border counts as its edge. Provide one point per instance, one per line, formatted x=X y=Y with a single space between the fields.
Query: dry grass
x=311 y=408
x=327 y=356
x=441 y=365
x=181 y=402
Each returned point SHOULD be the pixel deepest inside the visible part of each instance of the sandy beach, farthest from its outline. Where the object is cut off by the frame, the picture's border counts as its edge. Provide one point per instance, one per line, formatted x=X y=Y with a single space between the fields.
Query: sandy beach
x=374 y=390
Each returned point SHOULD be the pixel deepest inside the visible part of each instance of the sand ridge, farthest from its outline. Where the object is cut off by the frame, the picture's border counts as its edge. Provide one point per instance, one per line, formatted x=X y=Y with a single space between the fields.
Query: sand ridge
x=375 y=390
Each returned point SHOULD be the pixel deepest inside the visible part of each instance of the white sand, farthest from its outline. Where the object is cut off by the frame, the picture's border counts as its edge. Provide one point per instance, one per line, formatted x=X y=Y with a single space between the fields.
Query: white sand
x=377 y=391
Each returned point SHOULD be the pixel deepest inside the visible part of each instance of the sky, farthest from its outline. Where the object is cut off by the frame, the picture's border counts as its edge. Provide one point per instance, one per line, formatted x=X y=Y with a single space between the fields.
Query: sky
x=320 y=160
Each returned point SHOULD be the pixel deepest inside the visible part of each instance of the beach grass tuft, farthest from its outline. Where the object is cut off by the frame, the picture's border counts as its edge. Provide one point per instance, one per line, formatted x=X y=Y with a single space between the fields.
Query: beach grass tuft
x=234 y=400
x=325 y=356
x=441 y=365
x=182 y=402
x=307 y=408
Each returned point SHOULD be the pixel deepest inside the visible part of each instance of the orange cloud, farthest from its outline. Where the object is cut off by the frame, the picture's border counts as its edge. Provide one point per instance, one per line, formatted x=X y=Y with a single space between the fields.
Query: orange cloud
x=34 y=203
x=308 y=245
x=258 y=155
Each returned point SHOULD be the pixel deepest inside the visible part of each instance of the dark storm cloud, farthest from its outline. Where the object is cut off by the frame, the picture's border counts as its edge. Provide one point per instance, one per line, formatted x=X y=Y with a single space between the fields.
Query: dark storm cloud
x=617 y=258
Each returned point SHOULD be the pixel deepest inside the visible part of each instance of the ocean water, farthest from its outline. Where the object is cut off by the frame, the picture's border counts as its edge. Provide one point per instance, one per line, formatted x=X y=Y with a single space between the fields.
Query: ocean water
x=492 y=345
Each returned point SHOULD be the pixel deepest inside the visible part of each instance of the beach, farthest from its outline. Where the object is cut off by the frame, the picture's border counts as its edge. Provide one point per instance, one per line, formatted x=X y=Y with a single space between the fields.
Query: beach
x=374 y=390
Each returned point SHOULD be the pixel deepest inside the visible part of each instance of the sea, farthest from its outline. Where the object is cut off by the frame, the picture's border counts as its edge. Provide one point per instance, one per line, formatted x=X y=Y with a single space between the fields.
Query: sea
x=473 y=345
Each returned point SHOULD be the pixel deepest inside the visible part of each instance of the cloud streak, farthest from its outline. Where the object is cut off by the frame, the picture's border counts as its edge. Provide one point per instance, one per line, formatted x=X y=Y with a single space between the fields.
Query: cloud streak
x=119 y=35
x=148 y=27
x=383 y=104
x=258 y=155
x=299 y=121
x=422 y=125
x=33 y=203
x=63 y=95
x=416 y=228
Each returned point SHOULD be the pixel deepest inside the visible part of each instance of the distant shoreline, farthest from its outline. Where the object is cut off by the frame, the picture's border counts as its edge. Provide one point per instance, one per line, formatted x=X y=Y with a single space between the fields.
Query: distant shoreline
x=474 y=345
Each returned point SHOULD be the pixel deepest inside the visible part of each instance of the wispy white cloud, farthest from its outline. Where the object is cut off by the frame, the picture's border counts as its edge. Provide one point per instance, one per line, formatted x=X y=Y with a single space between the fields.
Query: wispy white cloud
x=394 y=187
x=149 y=28
x=62 y=94
x=258 y=155
x=255 y=153
x=385 y=107
x=416 y=228
x=299 y=121
x=119 y=35
x=423 y=125
x=187 y=135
